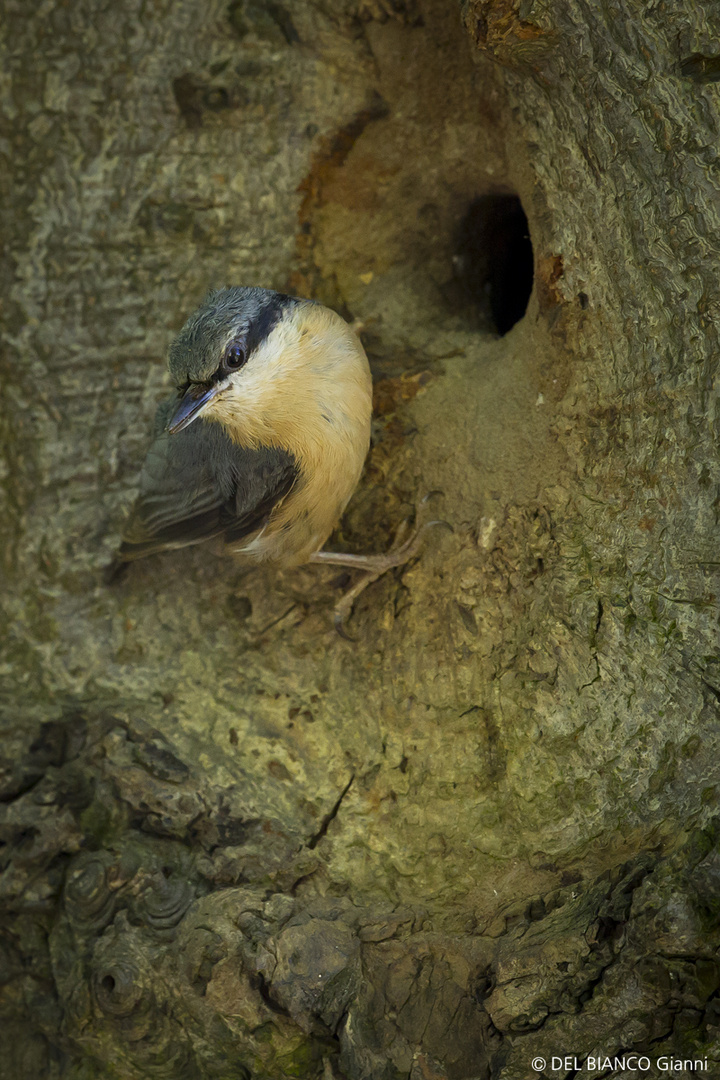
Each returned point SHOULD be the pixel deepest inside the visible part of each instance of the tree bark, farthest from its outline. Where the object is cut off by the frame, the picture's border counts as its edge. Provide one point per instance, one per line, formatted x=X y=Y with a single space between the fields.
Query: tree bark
x=484 y=834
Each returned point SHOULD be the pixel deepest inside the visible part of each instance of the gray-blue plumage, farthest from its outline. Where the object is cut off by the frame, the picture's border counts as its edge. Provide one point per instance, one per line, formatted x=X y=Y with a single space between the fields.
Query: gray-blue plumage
x=241 y=313
x=198 y=484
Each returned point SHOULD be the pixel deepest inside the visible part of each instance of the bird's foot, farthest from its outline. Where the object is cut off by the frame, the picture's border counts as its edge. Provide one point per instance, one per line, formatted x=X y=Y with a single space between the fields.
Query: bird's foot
x=404 y=548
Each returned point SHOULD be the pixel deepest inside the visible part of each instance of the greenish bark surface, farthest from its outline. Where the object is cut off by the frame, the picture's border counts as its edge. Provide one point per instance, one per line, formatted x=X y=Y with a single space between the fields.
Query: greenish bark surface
x=235 y=845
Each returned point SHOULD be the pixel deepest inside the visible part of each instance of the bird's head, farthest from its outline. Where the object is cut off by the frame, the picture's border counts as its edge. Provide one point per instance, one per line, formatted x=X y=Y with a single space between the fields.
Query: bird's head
x=220 y=347
x=274 y=370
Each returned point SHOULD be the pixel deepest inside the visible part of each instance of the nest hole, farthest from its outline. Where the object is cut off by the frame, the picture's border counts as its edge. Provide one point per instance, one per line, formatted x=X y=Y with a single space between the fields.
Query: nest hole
x=494 y=260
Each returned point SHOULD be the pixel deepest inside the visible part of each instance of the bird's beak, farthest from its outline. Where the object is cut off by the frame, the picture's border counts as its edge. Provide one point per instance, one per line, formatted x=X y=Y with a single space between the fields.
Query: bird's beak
x=194 y=402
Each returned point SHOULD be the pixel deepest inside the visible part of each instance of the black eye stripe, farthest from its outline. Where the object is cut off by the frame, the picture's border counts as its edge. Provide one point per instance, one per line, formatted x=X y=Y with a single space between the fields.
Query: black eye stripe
x=267 y=318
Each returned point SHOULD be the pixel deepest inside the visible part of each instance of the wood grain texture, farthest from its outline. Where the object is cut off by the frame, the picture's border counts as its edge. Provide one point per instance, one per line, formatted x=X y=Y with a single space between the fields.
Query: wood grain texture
x=489 y=823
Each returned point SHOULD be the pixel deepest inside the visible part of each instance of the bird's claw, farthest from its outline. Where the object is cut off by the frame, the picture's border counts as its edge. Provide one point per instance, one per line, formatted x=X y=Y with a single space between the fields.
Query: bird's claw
x=339 y=616
x=403 y=549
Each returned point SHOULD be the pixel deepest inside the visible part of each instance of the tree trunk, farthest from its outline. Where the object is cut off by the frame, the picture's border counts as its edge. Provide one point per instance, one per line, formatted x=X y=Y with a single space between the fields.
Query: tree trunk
x=480 y=839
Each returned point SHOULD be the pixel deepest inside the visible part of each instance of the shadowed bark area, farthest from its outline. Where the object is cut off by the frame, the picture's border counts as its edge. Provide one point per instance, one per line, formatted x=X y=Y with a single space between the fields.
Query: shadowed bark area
x=233 y=844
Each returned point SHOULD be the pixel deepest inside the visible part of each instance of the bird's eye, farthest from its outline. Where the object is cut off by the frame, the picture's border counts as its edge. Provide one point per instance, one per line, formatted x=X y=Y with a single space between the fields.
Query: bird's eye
x=235 y=356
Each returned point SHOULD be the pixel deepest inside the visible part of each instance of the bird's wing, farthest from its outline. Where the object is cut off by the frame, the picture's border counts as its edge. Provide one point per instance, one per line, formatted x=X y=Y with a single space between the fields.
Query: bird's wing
x=198 y=484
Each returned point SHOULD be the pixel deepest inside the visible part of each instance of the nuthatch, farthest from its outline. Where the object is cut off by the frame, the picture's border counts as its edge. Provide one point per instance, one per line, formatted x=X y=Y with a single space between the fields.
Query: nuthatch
x=264 y=442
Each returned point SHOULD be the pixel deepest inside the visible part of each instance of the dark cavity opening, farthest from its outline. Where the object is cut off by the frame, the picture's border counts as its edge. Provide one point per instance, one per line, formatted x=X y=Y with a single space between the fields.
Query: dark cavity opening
x=108 y=984
x=494 y=260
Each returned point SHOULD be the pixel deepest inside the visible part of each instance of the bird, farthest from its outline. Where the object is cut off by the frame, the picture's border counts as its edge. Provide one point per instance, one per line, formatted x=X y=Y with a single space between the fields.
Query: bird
x=263 y=441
